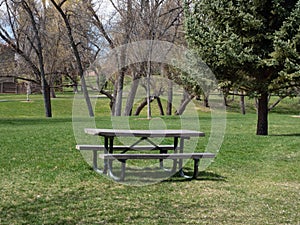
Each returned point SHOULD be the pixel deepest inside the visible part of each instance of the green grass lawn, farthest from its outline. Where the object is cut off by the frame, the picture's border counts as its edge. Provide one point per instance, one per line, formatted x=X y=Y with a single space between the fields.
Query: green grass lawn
x=44 y=180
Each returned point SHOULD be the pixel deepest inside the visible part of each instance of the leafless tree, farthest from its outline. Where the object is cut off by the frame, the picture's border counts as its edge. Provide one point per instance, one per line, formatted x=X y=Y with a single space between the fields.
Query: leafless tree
x=23 y=30
x=65 y=15
x=136 y=21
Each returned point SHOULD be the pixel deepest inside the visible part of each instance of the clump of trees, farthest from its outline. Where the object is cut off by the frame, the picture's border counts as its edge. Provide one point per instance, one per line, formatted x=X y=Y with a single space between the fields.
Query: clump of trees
x=35 y=32
x=57 y=40
x=251 y=46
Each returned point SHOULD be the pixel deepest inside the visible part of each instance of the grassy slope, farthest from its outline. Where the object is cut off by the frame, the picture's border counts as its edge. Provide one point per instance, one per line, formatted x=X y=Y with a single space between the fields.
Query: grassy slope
x=43 y=180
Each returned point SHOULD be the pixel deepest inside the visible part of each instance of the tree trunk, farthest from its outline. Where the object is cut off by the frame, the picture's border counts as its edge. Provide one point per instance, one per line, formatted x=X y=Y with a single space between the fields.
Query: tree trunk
x=119 y=97
x=225 y=94
x=142 y=105
x=75 y=88
x=183 y=105
x=53 y=94
x=205 y=101
x=52 y=89
x=131 y=96
x=148 y=95
x=122 y=62
x=170 y=97
x=148 y=84
x=39 y=48
x=242 y=104
x=86 y=96
x=113 y=101
x=160 y=106
x=225 y=101
x=47 y=98
x=262 y=115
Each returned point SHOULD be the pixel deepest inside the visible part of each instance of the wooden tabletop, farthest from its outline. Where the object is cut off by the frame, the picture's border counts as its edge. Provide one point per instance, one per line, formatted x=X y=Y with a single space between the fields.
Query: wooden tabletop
x=143 y=133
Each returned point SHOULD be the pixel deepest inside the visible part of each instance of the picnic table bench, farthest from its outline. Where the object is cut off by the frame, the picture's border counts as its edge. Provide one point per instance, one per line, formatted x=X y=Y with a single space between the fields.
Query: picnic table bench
x=124 y=157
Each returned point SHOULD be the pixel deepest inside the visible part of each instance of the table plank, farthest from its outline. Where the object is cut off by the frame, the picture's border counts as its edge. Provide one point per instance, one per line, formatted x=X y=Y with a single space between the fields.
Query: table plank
x=143 y=133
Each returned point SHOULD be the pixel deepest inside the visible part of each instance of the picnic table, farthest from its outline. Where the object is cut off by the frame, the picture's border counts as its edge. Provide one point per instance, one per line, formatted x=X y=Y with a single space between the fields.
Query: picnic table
x=109 y=148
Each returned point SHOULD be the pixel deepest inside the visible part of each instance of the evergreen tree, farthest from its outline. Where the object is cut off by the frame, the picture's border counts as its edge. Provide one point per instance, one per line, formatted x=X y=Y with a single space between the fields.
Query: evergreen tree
x=252 y=44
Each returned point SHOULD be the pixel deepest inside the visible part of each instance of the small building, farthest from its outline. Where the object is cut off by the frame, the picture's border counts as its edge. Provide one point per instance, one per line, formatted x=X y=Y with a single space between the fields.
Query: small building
x=7 y=66
x=8 y=85
x=8 y=70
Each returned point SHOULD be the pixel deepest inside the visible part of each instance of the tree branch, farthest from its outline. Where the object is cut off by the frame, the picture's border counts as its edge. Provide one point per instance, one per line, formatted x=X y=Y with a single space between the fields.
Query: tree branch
x=63 y=2
x=275 y=103
x=100 y=26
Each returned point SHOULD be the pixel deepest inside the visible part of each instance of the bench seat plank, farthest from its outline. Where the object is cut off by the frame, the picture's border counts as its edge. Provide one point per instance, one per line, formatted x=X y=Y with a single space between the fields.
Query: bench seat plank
x=123 y=147
x=158 y=156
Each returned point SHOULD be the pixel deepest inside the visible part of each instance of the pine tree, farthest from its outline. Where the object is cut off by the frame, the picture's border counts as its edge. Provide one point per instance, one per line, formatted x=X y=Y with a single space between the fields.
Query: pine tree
x=251 y=44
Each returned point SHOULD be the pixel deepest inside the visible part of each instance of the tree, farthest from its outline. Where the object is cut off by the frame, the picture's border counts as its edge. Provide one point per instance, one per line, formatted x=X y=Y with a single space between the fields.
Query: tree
x=24 y=33
x=136 y=21
x=33 y=30
x=252 y=44
x=59 y=60
x=65 y=15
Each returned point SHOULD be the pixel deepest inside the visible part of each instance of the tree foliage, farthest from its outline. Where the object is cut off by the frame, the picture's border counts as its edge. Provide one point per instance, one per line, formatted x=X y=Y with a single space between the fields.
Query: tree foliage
x=252 y=45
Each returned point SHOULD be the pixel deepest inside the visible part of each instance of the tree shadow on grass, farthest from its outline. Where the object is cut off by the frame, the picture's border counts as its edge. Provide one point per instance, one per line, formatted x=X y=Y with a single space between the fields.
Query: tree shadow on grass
x=204 y=176
x=157 y=175
x=286 y=135
x=38 y=212
x=32 y=121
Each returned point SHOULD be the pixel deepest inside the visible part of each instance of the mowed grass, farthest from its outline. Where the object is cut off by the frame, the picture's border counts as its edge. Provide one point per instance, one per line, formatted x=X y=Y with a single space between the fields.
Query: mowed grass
x=44 y=180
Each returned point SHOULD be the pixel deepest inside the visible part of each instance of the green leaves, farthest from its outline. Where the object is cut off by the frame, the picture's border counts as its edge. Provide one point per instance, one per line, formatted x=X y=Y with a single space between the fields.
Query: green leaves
x=247 y=42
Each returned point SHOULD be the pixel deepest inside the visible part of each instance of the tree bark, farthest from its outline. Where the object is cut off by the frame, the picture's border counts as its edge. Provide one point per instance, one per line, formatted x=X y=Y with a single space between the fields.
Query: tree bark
x=131 y=96
x=47 y=98
x=148 y=92
x=53 y=93
x=52 y=88
x=119 y=97
x=75 y=88
x=205 y=101
x=275 y=103
x=225 y=95
x=262 y=115
x=170 y=97
x=225 y=101
x=142 y=105
x=242 y=104
x=183 y=105
x=113 y=101
x=161 y=110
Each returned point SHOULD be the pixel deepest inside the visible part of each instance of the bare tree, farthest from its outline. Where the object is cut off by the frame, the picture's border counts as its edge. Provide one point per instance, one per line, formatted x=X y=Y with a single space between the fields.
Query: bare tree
x=64 y=14
x=135 y=21
x=24 y=33
x=157 y=20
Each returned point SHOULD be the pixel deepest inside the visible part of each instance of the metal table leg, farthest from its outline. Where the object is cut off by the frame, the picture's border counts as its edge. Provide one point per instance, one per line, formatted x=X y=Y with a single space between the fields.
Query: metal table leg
x=110 y=162
x=180 y=163
x=161 y=161
x=95 y=159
